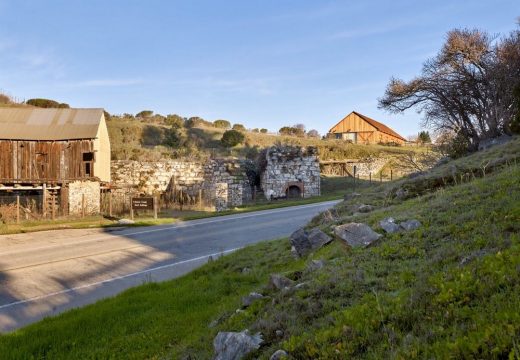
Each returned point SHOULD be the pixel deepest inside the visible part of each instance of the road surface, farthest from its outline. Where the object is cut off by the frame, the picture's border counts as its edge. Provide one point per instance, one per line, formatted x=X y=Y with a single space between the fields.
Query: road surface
x=46 y=273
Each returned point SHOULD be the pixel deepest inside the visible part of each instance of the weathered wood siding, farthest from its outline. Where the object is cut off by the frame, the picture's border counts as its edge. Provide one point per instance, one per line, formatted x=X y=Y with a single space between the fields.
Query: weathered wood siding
x=45 y=160
x=366 y=133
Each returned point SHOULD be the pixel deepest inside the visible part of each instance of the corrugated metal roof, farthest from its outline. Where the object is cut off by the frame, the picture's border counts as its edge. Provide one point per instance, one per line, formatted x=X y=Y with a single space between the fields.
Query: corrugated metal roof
x=49 y=124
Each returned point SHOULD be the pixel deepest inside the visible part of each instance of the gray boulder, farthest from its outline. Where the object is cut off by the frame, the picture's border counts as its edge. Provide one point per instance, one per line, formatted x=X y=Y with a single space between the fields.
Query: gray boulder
x=279 y=282
x=125 y=222
x=365 y=208
x=279 y=355
x=389 y=225
x=410 y=225
x=316 y=265
x=307 y=241
x=235 y=345
x=251 y=298
x=356 y=234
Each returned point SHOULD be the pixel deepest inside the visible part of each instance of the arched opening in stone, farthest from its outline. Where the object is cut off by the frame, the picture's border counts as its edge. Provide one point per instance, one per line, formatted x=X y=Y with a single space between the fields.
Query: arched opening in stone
x=294 y=190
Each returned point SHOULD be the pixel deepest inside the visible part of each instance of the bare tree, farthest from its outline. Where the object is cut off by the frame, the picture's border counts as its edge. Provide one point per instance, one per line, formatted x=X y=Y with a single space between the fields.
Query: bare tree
x=466 y=89
x=313 y=133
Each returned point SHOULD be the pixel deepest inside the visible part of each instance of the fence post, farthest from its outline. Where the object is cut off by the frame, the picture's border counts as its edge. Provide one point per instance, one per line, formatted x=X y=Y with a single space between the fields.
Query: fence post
x=391 y=174
x=82 y=205
x=155 y=207
x=44 y=200
x=110 y=203
x=381 y=176
x=370 y=177
x=355 y=168
x=200 y=199
x=131 y=209
x=17 y=209
x=53 y=211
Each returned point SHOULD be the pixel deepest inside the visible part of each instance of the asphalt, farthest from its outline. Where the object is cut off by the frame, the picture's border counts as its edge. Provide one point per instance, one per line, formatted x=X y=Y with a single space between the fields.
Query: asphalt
x=45 y=273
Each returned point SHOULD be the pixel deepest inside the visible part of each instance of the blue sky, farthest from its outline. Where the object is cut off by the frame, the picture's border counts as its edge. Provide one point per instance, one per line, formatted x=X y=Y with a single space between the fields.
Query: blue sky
x=263 y=63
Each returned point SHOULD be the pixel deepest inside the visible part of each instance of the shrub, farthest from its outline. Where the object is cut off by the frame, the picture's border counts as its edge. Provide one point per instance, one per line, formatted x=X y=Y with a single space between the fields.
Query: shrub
x=46 y=103
x=196 y=121
x=174 y=120
x=172 y=137
x=239 y=127
x=232 y=138
x=222 y=124
x=263 y=131
x=5 y=99
x=144 y=114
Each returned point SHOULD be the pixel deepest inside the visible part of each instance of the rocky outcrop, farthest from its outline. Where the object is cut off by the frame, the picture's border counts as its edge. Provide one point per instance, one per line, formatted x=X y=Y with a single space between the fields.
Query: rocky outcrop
x=356 y=234
x=235 y=345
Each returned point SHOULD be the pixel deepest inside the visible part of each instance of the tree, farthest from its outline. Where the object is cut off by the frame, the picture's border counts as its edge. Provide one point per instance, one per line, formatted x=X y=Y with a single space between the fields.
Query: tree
x=466 y=89
x=232 y=138
x=196 y=121
x=239 y=127
x=47 y=103
x=424 y=137
x=263 y=131
x=174 y=120
x=5 y=99
x=286 y=130
x=172 y=137
x=313 y=133
x=144 y=114
x=222 y=124
x=107 y=115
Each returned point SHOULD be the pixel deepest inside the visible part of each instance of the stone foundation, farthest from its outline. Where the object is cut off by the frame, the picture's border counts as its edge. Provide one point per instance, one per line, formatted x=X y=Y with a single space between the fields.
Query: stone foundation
x=84 y=193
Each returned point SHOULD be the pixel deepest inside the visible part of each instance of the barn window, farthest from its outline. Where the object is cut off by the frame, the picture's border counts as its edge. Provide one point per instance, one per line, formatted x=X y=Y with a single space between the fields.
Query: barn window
x=87 y=169
x=88 y=156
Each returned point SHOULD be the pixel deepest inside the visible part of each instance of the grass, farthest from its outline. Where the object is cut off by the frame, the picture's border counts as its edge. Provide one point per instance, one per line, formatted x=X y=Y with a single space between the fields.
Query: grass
x=449 y=289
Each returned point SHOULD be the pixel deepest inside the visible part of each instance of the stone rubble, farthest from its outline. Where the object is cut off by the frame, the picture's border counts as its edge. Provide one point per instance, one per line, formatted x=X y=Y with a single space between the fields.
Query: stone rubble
x=235 y=345
x=356 y=234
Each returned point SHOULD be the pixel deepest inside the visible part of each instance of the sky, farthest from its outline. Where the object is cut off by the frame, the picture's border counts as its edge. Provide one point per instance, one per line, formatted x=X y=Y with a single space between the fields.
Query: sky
x=262 y=63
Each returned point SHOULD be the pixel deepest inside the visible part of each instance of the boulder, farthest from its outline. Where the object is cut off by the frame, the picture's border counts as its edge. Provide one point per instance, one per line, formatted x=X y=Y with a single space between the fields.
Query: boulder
x=307 y=241
x=389 y=225
x=235 y=345
x=249 y=299
x=279 y=282
x=410 y=225
x=316 y=265
x=365 y=208
x=356 y=234
x=279 y=355
x=125 y=222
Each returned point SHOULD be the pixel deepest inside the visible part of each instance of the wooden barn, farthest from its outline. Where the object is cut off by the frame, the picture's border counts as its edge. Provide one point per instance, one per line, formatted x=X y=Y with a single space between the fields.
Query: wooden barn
x=54 y=152
x=360 y=129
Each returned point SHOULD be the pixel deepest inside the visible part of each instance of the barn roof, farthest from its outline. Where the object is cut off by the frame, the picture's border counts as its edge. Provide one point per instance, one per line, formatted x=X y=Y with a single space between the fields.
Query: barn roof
x=379 y=126
x=49 y=124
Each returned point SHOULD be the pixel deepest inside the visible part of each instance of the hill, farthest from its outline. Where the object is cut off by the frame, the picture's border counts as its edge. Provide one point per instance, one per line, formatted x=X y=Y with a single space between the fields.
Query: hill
x=450 y=288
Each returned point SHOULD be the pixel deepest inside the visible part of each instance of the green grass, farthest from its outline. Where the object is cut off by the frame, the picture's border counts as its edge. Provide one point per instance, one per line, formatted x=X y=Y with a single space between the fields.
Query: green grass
x=450 y=289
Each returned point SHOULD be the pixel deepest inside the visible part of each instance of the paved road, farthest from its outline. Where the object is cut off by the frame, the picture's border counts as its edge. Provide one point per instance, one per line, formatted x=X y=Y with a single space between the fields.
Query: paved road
x=45 y=273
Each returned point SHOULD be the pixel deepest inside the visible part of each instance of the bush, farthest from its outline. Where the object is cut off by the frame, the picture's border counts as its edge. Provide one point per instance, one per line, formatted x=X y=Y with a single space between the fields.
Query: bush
x=5 y=99
x=263 y=131
x=222 y=124
x=196 y=121
x=144 y=114
x=46 y=103
x=172 y=137
x=174 y=121
x=239 y=127
x=232 y=138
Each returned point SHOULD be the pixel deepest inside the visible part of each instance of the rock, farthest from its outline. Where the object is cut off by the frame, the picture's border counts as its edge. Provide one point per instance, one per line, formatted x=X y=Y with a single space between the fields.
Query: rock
x=351 y=196
x=365 y=208
x=246 y=271
x=401 y=194
x=278 y=355
x=356 y=234
x=235 y=345
x=278 y=282
x=125 y=222
x=410 y=225
x=316 y=265
x=251 y=298
x=305 y=242
x=389 y=225
x=300 y=285
x=279 y=333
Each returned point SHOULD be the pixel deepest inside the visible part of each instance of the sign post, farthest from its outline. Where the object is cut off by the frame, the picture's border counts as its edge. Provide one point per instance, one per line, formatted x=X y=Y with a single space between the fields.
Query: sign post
x=142 y=203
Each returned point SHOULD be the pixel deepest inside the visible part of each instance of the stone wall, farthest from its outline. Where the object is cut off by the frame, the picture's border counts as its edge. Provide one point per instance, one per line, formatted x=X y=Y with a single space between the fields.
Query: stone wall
x=286 y=166
x=191 y=178
x=370 y=166
x=89 y=191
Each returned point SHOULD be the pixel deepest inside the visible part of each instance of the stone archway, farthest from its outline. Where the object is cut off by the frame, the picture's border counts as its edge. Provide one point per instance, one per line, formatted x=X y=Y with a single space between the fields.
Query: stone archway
x=294 y=190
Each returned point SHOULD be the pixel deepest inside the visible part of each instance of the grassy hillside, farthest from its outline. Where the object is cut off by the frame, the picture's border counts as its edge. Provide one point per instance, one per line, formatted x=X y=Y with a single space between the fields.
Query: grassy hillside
x=449 y=289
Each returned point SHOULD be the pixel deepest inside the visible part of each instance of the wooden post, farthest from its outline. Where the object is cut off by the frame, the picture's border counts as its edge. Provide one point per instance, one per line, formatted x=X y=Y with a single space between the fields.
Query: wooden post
x=155 y=208
x=17 y=209
x=370 y=177
x=355 y=168
x=391 y=174
x=82 y=205
x=44 y=200
x=380 y=176
x=200 y=199
x=53 y=210
x=131 y=209
x=110 y=203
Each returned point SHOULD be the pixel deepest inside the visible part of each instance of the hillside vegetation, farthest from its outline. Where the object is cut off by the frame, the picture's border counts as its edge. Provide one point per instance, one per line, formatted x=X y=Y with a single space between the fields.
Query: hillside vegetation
x=448 y=289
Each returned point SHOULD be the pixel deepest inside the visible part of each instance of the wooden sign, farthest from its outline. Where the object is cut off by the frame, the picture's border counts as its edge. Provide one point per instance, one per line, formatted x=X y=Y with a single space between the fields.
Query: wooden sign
x=142 y=203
